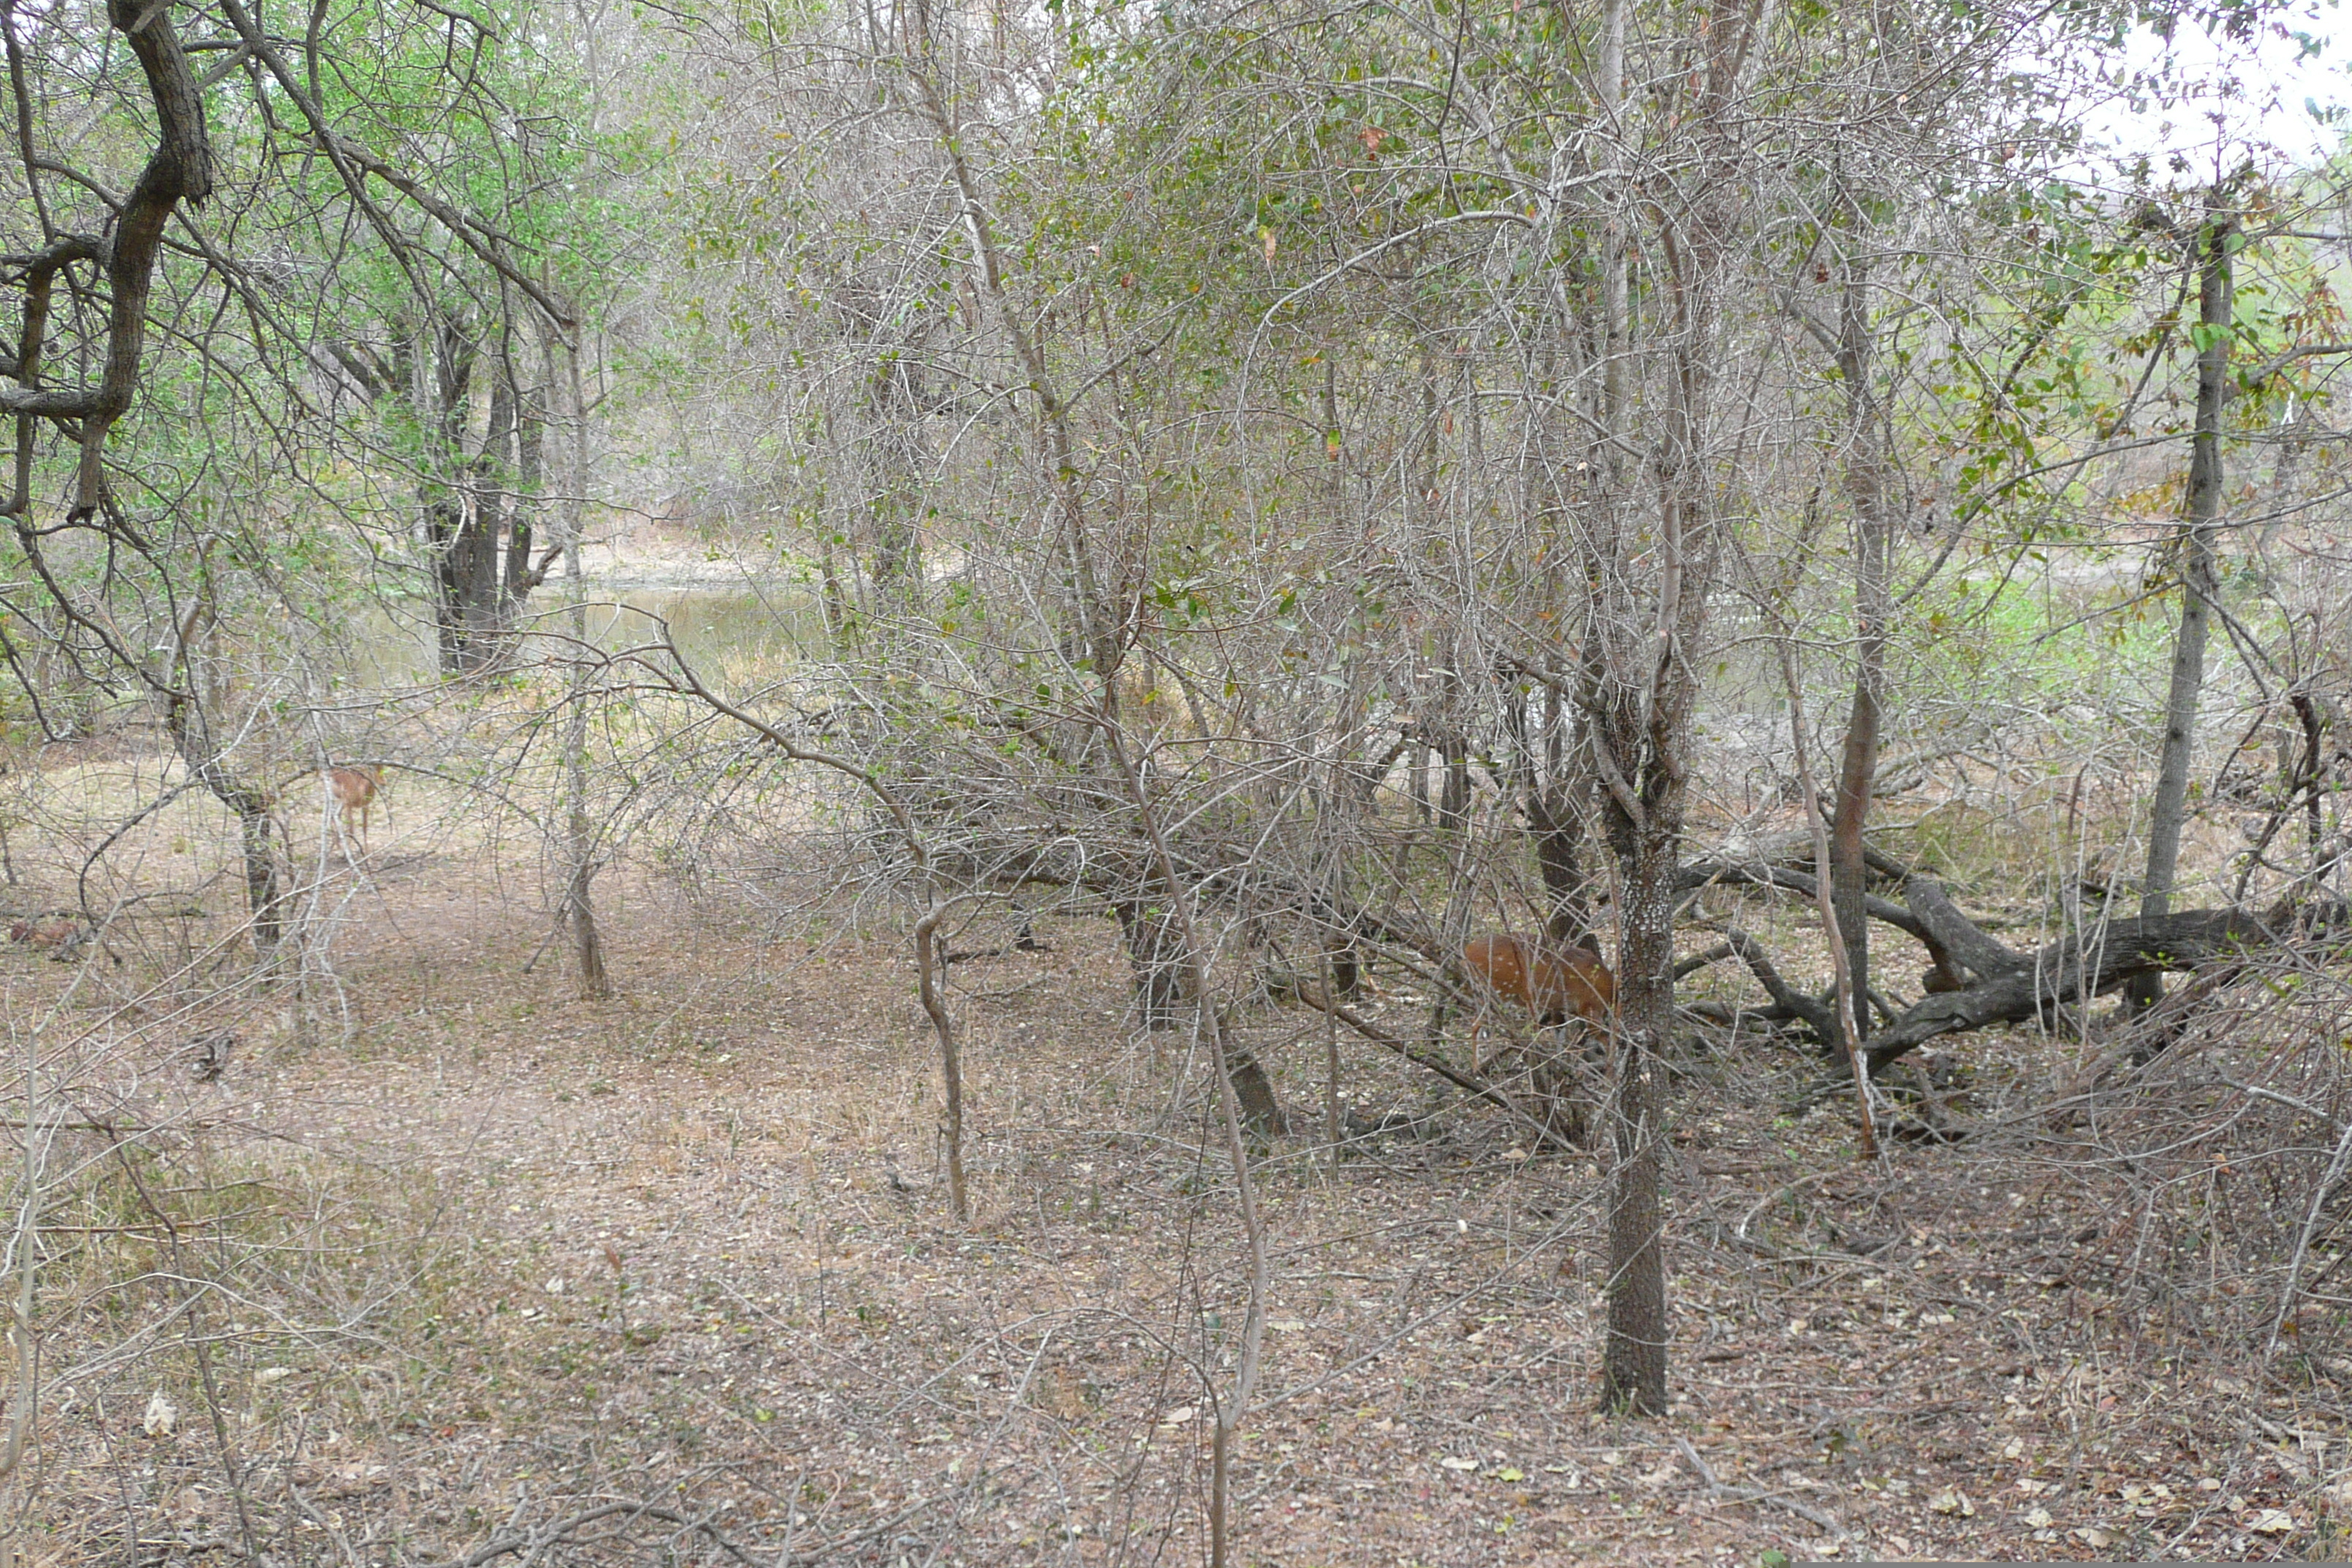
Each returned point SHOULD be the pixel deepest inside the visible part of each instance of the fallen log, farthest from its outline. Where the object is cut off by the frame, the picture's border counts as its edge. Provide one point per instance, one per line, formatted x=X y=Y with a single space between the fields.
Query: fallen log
x=1953 y=942
x=2072 y=969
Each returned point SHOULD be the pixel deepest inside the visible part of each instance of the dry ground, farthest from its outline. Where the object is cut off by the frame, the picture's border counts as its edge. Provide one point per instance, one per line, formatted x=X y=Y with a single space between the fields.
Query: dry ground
x=452 y=1267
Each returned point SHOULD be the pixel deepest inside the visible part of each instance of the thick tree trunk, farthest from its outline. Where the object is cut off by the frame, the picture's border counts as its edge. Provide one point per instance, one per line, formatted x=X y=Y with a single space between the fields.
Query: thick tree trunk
x=473 y=611
x=2197 y=587
x=1554 y=804
x=1252 y=1088
x=480 y=524
x=1558 y=830
x=443 y=369
x=1634 y=1361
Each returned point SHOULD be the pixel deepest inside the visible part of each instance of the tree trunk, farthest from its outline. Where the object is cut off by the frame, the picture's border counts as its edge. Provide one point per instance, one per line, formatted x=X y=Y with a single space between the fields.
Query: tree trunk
x=1643 y=831
x=474 y=608
x=480 y=521
x=1158 y=971
x=580 y=912
x=2197 y=587
x=1650 y=572
x=928 y=969
x=1252 y=1088
x=1850 y=1000
x=1634 y=1361
x=1166 y=987
x=1454 y=804
x=265 y=888
x=186 y=722
x=1452 y=748
x=515 y=578
x=1874 y=532
x=1558 y=829
x=1539 y=775
x=895 y=500
x=178 y=170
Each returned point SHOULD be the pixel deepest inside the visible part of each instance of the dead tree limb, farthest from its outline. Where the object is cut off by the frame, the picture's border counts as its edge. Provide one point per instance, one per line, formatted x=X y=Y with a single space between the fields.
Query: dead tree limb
x=1701 y=874
x=2074 y=968
x=1787 y=1002
x=1960 y=946
x=1686 y=968
x=1312 y=995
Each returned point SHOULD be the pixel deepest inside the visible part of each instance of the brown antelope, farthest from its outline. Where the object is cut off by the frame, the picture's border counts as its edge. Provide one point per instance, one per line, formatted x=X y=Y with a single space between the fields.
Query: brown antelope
x=64 y=935
x=354 y=790
x=1550 y=982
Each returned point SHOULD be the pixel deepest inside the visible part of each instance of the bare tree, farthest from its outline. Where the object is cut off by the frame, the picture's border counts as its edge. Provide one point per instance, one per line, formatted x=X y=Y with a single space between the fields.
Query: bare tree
x=2199 y=589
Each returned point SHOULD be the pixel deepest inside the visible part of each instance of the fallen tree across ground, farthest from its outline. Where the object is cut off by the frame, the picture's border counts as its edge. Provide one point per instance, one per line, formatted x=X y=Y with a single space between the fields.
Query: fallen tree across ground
x=2005 y=985
x=1976 y=981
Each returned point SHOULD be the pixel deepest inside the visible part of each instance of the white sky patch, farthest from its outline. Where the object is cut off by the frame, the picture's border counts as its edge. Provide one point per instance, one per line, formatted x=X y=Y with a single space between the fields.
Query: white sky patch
x=2199 y=104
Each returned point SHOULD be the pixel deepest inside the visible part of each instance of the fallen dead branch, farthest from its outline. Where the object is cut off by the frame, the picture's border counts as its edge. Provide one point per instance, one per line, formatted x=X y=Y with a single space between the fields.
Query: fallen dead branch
x=1715 y=1489
x=1486 y=1091
x=2010 y=986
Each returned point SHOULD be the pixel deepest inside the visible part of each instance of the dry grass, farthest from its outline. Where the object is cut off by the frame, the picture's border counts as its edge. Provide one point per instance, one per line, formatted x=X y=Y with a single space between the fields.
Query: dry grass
x=454 y=1261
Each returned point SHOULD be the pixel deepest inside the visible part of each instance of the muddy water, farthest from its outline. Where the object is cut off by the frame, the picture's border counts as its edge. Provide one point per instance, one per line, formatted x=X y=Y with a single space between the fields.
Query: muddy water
x=721 y=629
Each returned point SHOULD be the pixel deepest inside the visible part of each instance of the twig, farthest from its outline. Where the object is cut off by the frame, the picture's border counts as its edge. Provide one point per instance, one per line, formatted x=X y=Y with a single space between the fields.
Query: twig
x=1715 y=1488
x=1840 y=966
x=2303 y=1239
x=310 y=1512
x=536 y=1541
x=1443 y=1069
x=2275 y=1097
